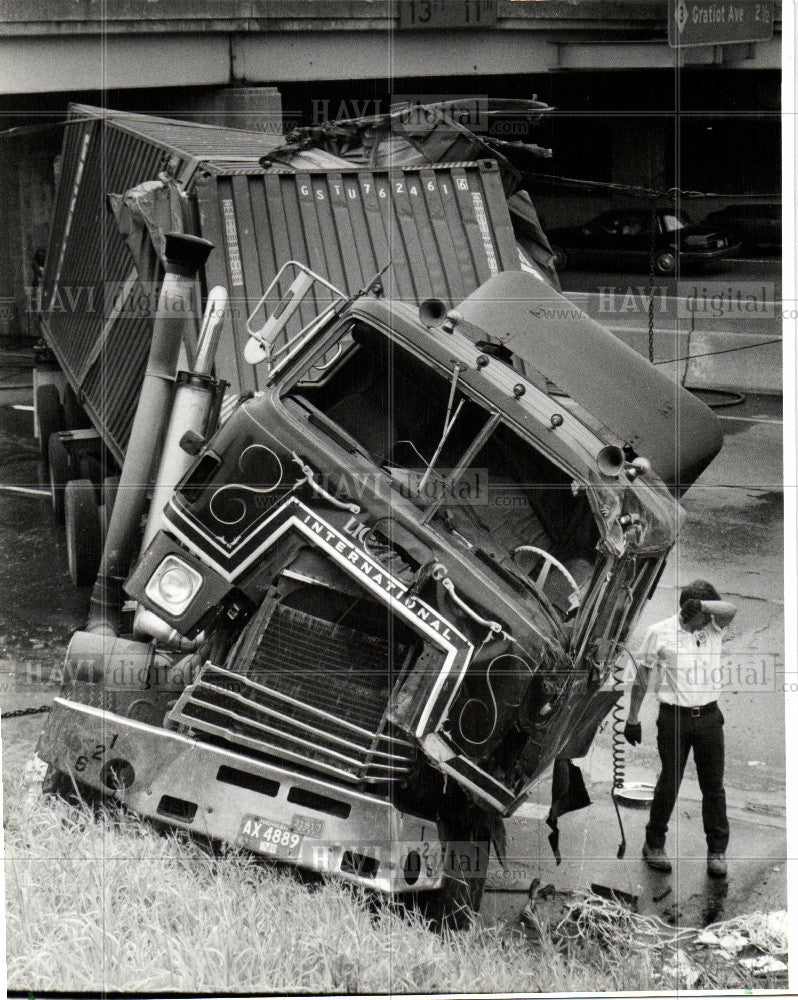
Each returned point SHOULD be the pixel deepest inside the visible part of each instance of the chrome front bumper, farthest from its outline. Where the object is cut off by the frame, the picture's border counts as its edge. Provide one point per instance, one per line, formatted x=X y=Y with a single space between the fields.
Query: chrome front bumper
x=226 y=796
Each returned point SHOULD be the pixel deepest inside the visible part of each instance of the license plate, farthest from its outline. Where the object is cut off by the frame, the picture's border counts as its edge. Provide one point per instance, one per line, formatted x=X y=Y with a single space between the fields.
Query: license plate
x=267 y=837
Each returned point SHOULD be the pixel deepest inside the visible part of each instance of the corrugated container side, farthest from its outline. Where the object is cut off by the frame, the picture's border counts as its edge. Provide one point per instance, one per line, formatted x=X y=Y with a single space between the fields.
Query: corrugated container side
x=103 y=351
x=445 y=229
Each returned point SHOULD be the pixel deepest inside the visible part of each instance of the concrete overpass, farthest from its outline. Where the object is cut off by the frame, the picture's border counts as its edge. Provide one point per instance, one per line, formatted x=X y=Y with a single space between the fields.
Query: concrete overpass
x=92 y=44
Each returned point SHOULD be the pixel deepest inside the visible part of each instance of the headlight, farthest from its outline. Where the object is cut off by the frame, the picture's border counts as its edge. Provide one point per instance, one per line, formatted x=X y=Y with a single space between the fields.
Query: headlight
x=173 y=585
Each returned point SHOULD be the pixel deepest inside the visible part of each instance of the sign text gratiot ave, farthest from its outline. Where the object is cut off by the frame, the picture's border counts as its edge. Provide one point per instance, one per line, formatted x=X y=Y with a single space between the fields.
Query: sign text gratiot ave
x=718 y=23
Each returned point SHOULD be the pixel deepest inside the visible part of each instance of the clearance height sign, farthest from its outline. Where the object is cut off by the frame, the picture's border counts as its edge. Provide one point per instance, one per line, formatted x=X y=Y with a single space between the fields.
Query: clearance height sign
x=718 y=23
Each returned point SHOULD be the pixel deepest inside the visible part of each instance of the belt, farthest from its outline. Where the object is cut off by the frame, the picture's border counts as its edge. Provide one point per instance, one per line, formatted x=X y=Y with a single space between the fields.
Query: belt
x=694 y=711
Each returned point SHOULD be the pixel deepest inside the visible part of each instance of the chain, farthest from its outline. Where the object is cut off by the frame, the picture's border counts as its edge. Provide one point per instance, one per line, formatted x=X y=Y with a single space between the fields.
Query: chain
x=652 y=253
x=19 y=712
x=21 y=130
x=645 y=192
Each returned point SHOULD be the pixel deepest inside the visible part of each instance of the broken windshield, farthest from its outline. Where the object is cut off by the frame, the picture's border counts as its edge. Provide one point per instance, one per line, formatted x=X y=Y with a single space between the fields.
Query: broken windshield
x=467 y=469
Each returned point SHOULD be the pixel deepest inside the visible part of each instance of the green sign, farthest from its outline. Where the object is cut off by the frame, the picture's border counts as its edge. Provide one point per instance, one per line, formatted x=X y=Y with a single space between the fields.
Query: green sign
x=437 y=14
x=719 y=23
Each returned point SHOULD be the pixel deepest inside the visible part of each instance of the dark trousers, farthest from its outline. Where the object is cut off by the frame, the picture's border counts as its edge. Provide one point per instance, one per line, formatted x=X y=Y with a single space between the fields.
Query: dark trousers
x=678 y=732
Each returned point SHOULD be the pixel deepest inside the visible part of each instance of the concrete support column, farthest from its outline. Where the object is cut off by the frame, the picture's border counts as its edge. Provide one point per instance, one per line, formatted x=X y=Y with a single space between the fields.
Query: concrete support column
x=255 y=109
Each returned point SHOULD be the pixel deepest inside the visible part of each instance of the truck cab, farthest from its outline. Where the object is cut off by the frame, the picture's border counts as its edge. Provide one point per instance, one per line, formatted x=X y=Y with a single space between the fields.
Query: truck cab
x=390 y=593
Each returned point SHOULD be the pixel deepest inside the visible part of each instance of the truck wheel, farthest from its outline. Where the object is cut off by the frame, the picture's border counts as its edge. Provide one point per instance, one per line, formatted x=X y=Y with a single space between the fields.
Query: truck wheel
x=49 y=415
x=460 y=896
x=90 y=467
x=60 y=470
x=84 y=546
x=75 y=416
x=110 y=486
x=107 y=500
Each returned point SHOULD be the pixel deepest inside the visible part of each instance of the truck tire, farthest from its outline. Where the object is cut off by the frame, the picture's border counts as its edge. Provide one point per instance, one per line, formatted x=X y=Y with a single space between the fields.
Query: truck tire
x=75 y=416
x=110 y=486
x=107 y=500
x=84 y=545
x=49 y=415
x=60 y=471
x=454 y=904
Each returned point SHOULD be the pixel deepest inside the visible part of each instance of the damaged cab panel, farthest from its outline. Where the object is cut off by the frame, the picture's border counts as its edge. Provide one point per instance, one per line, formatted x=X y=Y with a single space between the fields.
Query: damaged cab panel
x=389 y=590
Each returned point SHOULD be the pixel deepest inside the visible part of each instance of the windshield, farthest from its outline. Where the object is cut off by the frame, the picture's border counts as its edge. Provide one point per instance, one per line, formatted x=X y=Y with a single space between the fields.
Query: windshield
x=469 y=472
x=673 y=221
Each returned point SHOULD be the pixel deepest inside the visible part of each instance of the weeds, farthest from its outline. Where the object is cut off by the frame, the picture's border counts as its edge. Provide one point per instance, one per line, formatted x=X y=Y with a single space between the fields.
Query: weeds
x=99 y=900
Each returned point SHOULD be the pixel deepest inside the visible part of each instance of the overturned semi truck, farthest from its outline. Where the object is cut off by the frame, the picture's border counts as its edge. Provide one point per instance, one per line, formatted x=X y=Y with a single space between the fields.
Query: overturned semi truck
x=402 y=505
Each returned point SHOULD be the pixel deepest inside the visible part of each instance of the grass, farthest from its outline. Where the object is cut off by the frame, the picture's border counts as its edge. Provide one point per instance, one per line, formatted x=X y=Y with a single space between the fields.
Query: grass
x=100 y=900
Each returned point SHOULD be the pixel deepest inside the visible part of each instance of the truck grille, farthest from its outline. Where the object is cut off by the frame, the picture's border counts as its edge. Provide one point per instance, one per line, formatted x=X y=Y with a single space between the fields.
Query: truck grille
x=313 y=695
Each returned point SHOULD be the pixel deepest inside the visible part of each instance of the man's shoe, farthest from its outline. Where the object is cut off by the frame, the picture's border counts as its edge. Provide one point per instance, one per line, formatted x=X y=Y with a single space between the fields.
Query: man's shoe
x=716 y=865
x=656 y=858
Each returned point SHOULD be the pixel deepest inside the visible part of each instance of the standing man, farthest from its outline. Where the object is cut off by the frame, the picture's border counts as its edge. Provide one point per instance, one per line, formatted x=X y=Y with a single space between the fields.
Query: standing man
x=684 y=653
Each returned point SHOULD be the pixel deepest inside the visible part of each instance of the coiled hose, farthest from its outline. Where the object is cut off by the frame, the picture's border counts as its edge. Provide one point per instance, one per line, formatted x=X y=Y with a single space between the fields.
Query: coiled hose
x=618 y=752
x=618 y=749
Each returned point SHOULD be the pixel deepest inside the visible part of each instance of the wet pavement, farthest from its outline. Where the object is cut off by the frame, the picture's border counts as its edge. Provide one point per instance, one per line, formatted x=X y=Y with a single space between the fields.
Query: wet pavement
x=732 y=534
x=746 y=271
x=589 y=840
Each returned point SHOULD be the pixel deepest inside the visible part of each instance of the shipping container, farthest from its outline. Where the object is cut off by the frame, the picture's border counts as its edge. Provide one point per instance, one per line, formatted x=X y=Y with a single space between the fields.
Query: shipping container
x=443 y=229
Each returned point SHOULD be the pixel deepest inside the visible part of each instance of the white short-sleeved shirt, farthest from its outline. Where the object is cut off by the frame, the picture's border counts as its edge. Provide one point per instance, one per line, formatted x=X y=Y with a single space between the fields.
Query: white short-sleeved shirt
x=689 y=664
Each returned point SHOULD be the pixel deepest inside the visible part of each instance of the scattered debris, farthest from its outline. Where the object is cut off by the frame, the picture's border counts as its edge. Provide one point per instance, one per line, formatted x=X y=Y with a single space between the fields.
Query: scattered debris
x=763 y=965
x=766 y=931
x=753 y=943
x=662 y=895
x=733 y=942
x=765 y=808
x=615 y=895
x=681 y=970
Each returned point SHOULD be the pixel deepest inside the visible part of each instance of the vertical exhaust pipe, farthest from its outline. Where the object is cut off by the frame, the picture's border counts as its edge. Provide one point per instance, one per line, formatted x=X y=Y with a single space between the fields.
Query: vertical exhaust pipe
x=185 y=255
x=195 y=392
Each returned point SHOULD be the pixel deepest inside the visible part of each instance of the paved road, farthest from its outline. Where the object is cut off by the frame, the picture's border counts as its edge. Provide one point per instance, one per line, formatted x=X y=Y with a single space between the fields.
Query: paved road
x=733 y=536
x=748 y=271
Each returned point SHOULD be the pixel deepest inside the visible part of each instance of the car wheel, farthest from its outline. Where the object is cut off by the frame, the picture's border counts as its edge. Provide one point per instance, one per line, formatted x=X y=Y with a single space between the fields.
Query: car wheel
x=560 y=260
x=665 y=262
x=83 y=535
x=49 y=415
x=60 y=468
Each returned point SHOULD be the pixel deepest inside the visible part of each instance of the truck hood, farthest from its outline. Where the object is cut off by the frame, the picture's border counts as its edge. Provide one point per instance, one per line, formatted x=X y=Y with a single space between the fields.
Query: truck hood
x=633 y=399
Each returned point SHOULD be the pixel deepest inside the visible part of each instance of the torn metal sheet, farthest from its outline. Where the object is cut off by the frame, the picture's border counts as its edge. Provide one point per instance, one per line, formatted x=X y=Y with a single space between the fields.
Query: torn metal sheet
x=413 y=134
x=646 y=409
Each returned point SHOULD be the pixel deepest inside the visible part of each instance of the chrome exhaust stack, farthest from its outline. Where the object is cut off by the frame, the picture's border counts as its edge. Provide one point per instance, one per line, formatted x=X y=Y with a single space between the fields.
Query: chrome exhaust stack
x=185 y=255
x=195 y=393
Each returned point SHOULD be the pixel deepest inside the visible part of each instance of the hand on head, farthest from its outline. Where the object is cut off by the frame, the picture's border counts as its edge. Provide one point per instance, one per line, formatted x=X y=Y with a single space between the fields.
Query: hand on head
x=692 y=616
